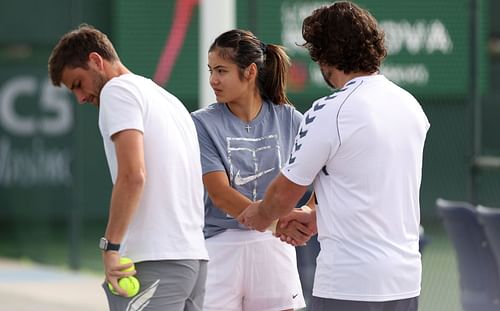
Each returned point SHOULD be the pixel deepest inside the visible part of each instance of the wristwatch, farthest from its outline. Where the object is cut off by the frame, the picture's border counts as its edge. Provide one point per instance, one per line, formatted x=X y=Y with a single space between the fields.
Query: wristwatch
x=105 y=245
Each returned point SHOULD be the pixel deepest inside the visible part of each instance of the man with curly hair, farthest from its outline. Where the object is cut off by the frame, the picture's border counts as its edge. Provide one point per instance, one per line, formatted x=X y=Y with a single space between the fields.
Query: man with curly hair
x=362 y=149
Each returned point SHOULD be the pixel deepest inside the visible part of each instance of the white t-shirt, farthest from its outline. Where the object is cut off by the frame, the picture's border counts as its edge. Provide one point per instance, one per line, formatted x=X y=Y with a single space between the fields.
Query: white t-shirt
x=362 y=147
x=168 y=223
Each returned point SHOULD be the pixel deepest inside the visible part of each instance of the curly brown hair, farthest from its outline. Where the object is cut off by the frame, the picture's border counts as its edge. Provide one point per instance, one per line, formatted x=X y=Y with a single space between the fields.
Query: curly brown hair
x=345 y=36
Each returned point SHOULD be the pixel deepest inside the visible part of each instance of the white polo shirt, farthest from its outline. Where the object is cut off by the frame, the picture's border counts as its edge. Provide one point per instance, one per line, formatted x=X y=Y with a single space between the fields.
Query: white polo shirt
x=362 y=147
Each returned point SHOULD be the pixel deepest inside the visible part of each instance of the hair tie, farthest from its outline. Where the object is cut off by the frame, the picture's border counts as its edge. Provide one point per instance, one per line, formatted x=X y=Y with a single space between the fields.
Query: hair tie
x=263 y=46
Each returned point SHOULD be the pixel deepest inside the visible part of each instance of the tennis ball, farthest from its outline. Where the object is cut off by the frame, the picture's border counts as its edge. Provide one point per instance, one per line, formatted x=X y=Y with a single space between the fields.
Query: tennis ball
x=125 y=260
x=130 y=284
x=112 y=289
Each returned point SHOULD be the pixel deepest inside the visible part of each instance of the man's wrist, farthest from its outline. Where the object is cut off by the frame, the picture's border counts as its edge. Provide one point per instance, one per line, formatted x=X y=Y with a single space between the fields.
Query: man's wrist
x=106 y=245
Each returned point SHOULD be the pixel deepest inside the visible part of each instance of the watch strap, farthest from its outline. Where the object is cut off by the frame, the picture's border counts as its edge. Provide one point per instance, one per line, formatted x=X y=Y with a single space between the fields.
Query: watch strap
x=105 y=245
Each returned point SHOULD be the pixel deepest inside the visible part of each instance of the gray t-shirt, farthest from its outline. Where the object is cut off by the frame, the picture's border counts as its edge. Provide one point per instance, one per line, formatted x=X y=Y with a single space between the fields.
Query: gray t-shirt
x=252 y=154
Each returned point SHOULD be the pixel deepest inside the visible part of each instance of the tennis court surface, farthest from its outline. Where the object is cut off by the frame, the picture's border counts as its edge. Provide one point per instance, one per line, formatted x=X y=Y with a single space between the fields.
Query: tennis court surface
x=33 y=287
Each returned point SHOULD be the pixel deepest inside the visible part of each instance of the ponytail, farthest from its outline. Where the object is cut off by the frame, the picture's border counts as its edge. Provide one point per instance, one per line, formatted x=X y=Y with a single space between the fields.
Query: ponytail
x=273 y=77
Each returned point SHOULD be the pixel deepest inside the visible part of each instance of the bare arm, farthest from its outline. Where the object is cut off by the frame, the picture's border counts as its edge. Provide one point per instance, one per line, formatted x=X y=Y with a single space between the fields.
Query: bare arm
x=125 y=197
x=281 y=197
x=234 y=203
x=223 y=195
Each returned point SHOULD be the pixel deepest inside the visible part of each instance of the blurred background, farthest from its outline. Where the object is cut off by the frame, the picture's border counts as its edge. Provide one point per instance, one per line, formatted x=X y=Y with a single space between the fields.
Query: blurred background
x=54 y=182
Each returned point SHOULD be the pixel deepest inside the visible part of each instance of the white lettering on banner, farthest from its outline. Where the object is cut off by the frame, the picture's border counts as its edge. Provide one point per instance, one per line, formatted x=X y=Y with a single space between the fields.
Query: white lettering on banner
x=56 y=112
x=34 y=165
x=54 y=100
x=420 y=37
x=415 y=37
x=439 y=39
x=9 y=119
x=25 y=156
x=415 y=74
x=412 y=74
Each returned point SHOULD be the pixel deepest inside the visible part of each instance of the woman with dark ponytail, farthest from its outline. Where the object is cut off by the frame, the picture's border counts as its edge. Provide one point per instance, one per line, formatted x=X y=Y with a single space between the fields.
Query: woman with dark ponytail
x=245 y=139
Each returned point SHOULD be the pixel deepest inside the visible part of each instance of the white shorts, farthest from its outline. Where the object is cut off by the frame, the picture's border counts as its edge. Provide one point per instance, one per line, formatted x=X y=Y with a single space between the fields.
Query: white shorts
x=249 y=271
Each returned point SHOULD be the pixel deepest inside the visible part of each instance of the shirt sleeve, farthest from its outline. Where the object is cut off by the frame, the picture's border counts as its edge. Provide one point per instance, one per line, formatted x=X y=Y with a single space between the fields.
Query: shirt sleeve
x=120 y=109
x=296 y=119
x=210 y=156
x=314 y=144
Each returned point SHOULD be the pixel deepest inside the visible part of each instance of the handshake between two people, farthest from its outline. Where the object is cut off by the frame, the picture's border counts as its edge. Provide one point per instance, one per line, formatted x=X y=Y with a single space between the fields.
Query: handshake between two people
x=295 y=228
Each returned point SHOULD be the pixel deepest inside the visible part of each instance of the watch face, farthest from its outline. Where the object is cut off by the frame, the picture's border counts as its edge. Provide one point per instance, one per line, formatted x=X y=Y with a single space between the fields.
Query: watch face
x=103 y=243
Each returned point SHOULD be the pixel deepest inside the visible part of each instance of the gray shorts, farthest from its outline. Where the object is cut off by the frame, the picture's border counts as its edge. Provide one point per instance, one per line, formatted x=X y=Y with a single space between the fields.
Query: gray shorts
x=325 y=304
x=173 y=285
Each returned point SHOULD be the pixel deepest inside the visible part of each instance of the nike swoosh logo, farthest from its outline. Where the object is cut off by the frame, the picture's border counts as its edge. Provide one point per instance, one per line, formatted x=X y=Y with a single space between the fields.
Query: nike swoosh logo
x=240 y=181
x=294 y=296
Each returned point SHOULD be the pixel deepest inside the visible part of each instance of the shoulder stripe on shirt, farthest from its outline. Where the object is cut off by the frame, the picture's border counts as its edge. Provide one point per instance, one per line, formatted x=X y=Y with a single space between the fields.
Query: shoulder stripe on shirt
x=342 y=104
x=318 y=106
x=309 y=119
x=302 y=133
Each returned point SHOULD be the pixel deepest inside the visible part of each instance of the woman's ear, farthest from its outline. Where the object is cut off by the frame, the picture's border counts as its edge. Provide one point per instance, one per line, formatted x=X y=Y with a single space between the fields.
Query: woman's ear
x=251 y=72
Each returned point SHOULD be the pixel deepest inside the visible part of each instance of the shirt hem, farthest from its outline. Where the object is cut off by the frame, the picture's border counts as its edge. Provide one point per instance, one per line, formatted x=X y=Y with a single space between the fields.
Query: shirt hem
x=139 y=258
x=294 y=178
x=374 y=298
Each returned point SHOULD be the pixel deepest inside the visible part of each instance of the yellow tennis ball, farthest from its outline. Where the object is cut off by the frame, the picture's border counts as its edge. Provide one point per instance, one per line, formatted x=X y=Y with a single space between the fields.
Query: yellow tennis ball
x=125 y=260
x=130 y=284
x=112 y=289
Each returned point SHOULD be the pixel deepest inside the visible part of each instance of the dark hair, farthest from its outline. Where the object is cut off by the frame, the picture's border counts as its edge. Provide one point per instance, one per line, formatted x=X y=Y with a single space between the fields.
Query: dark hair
x=73 y=51
x=345 y=36
x=243 y=48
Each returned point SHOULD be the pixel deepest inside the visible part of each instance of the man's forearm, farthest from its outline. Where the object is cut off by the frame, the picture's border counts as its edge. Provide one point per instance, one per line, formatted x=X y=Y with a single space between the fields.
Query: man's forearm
x=124 y=202
x=281 y=197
